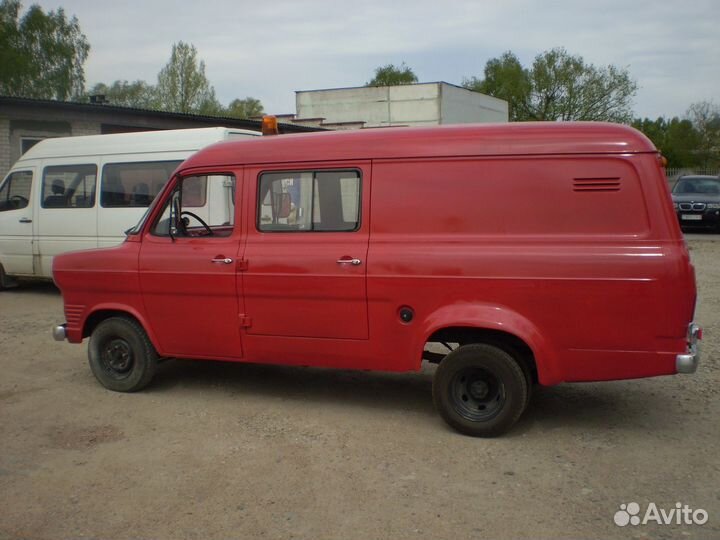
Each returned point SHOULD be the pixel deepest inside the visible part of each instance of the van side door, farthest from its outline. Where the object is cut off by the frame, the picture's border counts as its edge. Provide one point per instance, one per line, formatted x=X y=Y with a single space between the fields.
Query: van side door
x=67 y=214
x=306 y=252
x=16 y=221
x=188 y=267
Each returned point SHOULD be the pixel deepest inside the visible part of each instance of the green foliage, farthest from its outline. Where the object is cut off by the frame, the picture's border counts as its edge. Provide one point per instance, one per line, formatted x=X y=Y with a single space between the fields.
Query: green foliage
x=391 y=75
x=675 y=138
x=41 y=54
x=244 y=108
x=182 y=85
x=558 y=86
x=138 y=94
x=692 y=142
x=705 y=118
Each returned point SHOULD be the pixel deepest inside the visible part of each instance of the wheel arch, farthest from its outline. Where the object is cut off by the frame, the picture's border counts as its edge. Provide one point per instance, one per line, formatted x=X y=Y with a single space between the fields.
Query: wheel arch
x=498 y=325
x=104 y=312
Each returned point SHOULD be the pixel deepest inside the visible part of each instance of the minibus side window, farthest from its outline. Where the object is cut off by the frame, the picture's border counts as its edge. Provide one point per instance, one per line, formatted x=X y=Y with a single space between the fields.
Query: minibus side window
x=69 y=186
x=134 y=185
x=309 y=201
x=15 y=191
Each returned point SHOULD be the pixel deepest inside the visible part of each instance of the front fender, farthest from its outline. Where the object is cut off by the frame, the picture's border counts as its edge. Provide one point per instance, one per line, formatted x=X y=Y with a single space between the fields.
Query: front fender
x=498 y=318
x=117 y=309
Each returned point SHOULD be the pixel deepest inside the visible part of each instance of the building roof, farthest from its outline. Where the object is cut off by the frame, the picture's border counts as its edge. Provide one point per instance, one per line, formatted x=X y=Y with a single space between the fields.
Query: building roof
x=92 y=108
x=519 y=138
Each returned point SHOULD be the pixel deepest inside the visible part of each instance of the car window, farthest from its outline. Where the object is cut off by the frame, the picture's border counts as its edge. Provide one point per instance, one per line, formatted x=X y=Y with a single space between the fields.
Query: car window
x=134 y=184
x=69 y=186
x=15 y=191
x=309 y=201
x=708 y=186
x=199 y=206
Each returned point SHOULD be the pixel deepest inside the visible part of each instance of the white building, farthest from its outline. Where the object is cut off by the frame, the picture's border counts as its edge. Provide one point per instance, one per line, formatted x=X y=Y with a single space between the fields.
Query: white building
x=421 y=104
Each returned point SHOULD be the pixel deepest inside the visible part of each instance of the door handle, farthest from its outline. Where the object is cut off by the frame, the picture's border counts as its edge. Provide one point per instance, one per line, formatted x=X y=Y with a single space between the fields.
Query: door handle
x=221 y=260
x=348 y=260
x=25 y=220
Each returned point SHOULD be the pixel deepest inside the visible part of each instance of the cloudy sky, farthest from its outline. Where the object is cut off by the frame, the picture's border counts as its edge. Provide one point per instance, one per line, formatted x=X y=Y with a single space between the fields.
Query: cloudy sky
x=270 y=49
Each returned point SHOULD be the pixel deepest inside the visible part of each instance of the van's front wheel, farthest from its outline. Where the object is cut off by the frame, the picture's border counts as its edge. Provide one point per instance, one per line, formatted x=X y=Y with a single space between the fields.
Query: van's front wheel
x=121 y=356
x=480 y=390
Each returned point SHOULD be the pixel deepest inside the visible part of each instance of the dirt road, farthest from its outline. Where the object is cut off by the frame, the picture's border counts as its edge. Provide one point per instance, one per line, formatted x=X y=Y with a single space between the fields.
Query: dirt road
x=215 y=450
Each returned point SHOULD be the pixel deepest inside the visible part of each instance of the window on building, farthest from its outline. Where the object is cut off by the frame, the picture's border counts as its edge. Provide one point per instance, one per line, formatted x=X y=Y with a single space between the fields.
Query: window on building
x=309 y=201
x=134 y=184
x=26 y=143
x=69 y=186
x=15 y=191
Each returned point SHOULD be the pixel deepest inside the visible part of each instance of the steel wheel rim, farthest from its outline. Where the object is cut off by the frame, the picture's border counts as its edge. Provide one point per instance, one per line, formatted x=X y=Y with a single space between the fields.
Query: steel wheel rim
x=117 y=358
x=477 y=394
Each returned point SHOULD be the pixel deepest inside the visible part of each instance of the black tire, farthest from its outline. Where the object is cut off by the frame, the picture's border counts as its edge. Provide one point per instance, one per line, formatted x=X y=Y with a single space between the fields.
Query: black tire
x=121 y=356
x=6 y=282
x=514 y=353
x=480 y=390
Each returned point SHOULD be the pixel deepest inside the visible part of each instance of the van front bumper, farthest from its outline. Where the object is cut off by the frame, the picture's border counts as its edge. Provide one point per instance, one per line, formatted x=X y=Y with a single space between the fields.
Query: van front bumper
x=688 y=362
x=59 y=333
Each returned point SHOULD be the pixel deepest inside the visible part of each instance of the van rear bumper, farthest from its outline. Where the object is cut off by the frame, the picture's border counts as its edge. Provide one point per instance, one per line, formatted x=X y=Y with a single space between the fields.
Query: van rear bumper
x=688 y=362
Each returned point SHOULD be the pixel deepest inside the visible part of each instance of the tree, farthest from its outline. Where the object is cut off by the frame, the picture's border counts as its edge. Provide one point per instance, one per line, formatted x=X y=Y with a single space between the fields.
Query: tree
x=391 y=75
x=677 y=139
x=182 y=84
x=558 y=86
x=42 y=54
x=137 y=94
x=705 y=118
x=245 y=108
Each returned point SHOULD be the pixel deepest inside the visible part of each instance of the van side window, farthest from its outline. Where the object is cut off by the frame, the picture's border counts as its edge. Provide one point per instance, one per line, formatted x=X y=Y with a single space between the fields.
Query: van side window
x=134 y=184
x=200 y=206
x=309 y=201
x=15 y=192
x=69 y=186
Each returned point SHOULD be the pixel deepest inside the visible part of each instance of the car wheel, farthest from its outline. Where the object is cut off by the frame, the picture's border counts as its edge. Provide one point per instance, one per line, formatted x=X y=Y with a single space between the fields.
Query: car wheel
x=6 y=282
x=480 y=390
x=121 y=356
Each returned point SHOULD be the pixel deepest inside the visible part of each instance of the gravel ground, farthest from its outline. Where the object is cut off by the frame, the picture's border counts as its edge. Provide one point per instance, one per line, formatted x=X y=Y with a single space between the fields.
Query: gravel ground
x=213 y=450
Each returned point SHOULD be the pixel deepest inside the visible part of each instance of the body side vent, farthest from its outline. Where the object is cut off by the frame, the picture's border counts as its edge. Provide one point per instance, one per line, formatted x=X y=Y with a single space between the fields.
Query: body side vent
x=610 y=183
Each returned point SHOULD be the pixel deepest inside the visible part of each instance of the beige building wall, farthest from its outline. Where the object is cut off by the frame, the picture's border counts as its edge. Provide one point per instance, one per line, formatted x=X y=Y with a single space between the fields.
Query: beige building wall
x=406 y=105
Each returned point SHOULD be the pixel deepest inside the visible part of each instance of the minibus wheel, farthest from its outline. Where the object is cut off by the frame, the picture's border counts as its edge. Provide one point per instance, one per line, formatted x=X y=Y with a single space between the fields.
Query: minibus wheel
x=480 y=390
x=121 y=356
x=5 y=281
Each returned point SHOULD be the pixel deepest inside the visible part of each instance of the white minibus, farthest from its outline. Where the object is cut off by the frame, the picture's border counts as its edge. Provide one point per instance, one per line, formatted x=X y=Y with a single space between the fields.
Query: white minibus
x=72 y=193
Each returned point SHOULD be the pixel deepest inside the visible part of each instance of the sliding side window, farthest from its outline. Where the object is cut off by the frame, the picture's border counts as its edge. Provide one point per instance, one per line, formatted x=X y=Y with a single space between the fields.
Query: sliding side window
x=309 y=201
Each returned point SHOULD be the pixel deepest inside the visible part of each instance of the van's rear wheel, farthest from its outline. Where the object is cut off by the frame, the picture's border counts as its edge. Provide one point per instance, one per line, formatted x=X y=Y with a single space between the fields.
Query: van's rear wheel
x=121 y=356
x=480 y=390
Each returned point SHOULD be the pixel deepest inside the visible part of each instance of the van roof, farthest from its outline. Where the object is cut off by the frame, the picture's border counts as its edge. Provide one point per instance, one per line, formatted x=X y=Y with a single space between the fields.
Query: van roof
x=132 y=143
x=517 y=138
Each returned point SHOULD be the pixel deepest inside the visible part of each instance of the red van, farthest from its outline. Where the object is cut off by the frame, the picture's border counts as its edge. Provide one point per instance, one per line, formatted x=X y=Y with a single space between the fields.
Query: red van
x=507 y=254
